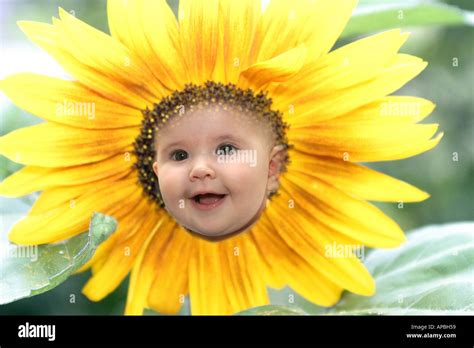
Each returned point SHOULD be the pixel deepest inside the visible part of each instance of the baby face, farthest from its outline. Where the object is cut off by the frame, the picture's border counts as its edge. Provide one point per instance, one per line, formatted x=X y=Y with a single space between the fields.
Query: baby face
x=215 y=169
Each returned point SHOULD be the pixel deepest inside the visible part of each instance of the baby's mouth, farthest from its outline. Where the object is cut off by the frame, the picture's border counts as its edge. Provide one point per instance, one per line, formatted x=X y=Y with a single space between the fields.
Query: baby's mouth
x=208 y=198
x=207 y=201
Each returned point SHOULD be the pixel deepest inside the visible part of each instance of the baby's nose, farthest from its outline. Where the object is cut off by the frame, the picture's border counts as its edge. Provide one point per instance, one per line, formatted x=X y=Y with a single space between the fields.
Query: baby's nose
x=202 y=169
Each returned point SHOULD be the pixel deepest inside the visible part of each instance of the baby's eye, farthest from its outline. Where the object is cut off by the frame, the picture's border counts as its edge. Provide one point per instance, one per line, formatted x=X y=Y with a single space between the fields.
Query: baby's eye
x=226 y=149
x=179 y=155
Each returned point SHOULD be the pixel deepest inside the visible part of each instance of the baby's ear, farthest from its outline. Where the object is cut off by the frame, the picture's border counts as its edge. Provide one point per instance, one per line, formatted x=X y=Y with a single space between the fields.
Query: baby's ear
x=155 y=167
x=277 y=156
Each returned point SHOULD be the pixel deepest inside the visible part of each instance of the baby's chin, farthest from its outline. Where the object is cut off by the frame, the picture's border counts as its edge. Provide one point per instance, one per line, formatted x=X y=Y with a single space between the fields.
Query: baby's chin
x=213 y=234
x=216 y=233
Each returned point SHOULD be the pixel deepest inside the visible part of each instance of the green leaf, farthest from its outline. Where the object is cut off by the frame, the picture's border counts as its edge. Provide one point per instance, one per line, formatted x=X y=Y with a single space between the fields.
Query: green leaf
x=432 y=273
x=288 y=297
x=272 y=310
x=373 y=16
x=26 y=271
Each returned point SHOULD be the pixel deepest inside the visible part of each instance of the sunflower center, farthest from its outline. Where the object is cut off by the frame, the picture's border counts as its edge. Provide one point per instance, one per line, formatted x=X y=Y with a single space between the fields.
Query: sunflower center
x=191 y=97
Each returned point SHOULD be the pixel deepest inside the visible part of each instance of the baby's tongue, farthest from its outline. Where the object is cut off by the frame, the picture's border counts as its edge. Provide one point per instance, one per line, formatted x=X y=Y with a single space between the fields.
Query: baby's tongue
x=209 y=198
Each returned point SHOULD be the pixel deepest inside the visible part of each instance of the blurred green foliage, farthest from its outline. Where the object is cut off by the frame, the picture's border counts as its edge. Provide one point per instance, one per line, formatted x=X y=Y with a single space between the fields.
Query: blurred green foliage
x=449 y=182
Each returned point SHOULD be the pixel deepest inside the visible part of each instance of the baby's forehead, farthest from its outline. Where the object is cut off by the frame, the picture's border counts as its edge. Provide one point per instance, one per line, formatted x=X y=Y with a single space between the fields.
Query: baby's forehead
x=221 y=120
x=236 y=116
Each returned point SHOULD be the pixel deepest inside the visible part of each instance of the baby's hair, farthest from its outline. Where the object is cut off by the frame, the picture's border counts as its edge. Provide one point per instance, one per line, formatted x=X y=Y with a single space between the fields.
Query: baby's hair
x=227 y=96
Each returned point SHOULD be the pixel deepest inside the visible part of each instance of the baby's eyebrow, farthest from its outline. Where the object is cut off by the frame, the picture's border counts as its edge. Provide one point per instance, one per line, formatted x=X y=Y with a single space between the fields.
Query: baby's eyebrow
x=171 y=145
x=219 y=138
x=228 y=136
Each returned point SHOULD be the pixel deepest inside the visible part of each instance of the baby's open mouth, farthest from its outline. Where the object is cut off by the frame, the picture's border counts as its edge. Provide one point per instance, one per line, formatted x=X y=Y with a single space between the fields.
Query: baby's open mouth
x=207 y=200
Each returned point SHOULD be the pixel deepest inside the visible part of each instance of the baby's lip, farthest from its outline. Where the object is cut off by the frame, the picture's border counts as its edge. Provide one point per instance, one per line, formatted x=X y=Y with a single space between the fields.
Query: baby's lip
x=197 y=193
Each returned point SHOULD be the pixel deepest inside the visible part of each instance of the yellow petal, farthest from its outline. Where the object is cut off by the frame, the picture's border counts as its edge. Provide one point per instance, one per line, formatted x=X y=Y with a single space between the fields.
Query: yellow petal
x=270 y=272
x=357 y=219
x=31 y=179
x=100 y=255
x=365 y=142
x=67 y=102
x=59 y=196
x=333 y=102
x=68 y=220
x=143 y=271
x=392 y=109
x=99 y=51
x=119 y=261
x=54 y=145
x=199 y=28
x=298 y=233
x=97 y=265
x=355 y=179
x=170 y=284
x=242 y=272
x=301 y=276
x=351 y=64
x=287 y=24
x=150 y=29
x=325 y=21
x=318 y=226
x=237 y=25
x=50 y=38
x=277 y=69
x=206 y=280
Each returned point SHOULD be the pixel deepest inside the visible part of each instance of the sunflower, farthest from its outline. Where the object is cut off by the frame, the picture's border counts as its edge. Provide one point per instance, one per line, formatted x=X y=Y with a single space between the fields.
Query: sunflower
x=337 y=106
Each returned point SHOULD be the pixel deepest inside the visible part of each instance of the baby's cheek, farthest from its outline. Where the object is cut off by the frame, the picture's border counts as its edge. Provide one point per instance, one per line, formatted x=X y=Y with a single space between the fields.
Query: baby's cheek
x=170 y=183
x=249 y=181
